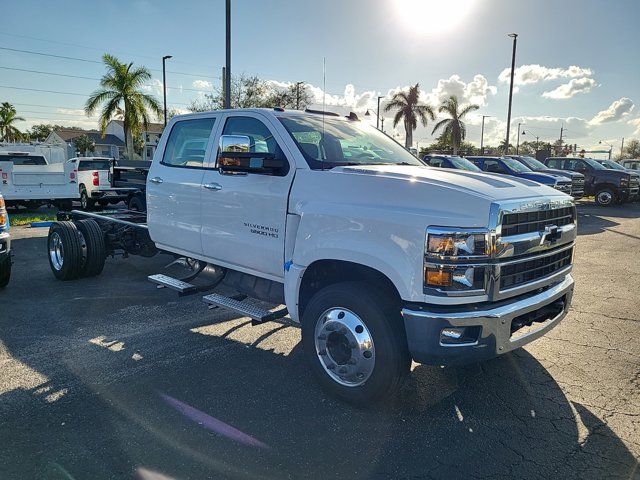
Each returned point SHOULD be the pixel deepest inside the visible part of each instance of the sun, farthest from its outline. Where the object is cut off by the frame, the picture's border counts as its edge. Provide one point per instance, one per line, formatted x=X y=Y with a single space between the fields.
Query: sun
x=433 y=16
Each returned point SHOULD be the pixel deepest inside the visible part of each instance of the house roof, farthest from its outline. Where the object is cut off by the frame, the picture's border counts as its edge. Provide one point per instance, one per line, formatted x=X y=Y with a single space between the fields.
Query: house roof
x=68 y=134
x=151 y=127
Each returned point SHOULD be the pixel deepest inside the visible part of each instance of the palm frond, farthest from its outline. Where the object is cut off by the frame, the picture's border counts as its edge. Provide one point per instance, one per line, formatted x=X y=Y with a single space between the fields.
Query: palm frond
x=439 y=125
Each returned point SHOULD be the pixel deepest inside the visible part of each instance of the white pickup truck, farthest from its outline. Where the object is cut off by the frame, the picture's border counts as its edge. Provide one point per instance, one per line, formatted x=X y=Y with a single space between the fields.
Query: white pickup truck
x=27 y=179
x=5 y=246
x=380 y=258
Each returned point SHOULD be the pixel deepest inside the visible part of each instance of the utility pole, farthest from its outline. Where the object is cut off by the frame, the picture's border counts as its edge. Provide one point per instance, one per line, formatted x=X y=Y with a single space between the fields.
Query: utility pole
x=513 y=66
x=518 y=143
x=482 y=135
x=224 y=86
x=227 y=77
x=164 y=86
x=622 y=148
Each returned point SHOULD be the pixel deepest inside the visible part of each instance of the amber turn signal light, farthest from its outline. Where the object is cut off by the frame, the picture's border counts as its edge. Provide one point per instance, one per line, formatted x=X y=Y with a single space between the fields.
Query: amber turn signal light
x=438 y=278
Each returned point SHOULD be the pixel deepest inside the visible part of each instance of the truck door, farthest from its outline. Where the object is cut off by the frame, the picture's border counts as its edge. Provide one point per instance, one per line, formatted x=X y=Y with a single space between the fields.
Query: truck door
x=174 y=186
x=580 y=166
x=243 y=215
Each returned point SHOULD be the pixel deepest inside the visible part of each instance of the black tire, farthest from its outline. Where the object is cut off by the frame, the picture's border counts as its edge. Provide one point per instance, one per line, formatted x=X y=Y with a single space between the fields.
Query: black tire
x=103 y=203
x=137 y=204
x=382 y=320
x=606 y=197
x=96 y=249
x=65 y=205
x=5 y=271
x=65 y=251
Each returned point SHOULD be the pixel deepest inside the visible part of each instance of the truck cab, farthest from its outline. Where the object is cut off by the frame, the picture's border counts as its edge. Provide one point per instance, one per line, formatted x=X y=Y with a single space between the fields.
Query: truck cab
x=509 y=166
x=5 y=246
x=381 y=259
x=94 y=180
x=606 y=185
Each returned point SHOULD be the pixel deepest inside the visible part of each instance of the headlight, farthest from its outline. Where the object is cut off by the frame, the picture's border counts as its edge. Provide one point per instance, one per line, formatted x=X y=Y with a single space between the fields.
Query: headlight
x=458 y=244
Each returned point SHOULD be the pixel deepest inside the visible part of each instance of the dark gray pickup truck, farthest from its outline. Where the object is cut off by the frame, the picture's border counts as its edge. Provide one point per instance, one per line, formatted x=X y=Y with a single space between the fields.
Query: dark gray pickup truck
x=607 y=186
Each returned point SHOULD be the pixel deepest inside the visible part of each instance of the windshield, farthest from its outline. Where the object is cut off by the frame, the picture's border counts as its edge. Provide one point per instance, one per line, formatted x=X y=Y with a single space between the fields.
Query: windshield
x=533 y=164
x=464 y=164
x=23 y=159
x=613 y=165
x=516 y=165
x=594 y=164
x=344 y=142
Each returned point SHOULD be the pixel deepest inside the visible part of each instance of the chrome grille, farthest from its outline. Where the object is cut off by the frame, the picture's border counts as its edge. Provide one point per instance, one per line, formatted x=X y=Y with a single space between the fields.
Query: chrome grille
x=528 y=222
x=516 y=274
x=634 y=182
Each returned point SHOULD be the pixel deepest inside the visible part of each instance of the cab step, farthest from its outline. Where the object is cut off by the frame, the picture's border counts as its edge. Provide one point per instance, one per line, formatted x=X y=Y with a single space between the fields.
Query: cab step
x=162 y=281
x=257 y=314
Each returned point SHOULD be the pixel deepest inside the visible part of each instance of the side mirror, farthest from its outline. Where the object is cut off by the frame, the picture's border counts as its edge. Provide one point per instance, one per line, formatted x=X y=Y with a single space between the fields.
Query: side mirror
x=234 y=156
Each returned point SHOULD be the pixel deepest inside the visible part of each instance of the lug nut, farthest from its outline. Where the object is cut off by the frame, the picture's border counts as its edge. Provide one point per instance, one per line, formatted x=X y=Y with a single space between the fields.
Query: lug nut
x=367 y=354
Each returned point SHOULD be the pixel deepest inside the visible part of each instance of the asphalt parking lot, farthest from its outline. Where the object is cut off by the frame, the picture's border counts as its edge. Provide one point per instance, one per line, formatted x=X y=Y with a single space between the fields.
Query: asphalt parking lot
x=111 y=378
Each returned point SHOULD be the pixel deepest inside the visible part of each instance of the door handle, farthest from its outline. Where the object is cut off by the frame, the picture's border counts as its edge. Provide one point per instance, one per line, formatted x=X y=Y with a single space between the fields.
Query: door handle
x=156 y=180
x=212 y=186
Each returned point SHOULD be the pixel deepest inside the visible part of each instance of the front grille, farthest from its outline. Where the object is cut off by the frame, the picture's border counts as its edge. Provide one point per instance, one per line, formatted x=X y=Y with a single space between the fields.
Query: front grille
x=519 y=223
x=634 y=182
x=578 y=182
x=517 y=274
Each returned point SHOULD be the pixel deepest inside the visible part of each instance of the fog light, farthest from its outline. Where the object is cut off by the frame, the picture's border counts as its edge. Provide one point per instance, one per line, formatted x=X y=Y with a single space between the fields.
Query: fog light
x=460 y=335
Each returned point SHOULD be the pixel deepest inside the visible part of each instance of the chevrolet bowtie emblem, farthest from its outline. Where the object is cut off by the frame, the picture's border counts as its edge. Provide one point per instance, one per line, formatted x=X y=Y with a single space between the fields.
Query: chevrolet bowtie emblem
x=550 y=234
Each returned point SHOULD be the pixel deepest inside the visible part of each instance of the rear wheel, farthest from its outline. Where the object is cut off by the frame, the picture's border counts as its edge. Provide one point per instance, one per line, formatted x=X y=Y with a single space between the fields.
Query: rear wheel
x=95 y=246
x=67 y=251
x=354 y=341
x=136 y=203
x=85 y=202
x=5 y=271
x=605 y=197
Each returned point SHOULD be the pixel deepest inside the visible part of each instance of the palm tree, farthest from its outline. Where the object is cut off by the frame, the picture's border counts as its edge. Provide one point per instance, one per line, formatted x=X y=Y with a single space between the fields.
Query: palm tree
x=8 y=116
x=120 y=94
x=454 y=127
x=409 y=110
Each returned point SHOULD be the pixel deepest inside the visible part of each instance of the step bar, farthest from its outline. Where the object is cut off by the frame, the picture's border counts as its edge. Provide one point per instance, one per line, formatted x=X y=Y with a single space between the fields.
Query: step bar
x=257 y=314
x=162 y=281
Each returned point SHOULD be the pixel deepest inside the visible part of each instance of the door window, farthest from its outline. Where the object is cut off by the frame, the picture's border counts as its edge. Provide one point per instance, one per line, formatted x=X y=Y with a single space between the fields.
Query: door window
x=577 y=165
x=493 y=166
x=554 y=163
x=260 y=137
x=435 y=162
x=187 y=143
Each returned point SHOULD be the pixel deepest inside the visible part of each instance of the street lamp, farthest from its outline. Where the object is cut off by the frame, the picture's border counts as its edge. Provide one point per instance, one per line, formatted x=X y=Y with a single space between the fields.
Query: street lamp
x=379 y=119
x=164 y=86
x=513 y=65
x=537 y=139
x=482 y=135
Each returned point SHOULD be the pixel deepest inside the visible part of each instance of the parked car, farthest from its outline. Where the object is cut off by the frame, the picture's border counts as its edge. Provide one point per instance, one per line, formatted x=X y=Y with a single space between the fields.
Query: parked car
x=509 y=166
x=606 y=185
x=450 y=161
x=610 y=164
x=5 y=246
x=27 y=179
x=381 y=260
x=631 y=163
x=577 y=179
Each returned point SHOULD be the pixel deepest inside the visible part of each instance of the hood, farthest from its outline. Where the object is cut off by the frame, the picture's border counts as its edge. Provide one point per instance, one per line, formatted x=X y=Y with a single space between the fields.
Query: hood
x=563 y=173
x=478 y=184
x=545 y=178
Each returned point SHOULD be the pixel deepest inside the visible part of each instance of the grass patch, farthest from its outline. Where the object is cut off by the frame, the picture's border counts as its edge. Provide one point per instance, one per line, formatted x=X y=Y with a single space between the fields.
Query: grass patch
x=18 y=219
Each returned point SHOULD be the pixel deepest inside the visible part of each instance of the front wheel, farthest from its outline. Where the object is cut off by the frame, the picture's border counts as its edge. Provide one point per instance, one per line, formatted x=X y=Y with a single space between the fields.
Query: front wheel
x=605 y=197
x=354 y=341
x=5 y=271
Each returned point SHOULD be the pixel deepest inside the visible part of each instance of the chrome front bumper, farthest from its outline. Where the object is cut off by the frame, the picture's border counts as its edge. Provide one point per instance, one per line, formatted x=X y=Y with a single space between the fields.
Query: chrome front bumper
x=5 y=243
x=492 y=323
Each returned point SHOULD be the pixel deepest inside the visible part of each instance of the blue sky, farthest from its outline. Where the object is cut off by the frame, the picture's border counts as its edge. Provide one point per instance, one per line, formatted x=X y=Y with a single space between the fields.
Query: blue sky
x=577 y=58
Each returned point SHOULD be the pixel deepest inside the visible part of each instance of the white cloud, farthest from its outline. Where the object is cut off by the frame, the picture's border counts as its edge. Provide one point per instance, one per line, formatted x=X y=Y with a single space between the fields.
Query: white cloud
x=155 y=87
x=202 y=84
x=530 y=74
x=570 y=89
x=636 y=123
x=616 y=111
x=475 y=91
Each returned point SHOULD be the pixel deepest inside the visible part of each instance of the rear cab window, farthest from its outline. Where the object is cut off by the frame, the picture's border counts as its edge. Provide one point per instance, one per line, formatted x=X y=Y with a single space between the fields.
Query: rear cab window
x=24 y=159
x=87 y=165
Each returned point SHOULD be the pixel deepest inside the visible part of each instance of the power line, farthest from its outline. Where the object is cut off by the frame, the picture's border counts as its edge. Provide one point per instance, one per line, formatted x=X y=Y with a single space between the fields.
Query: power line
x=77 y=59
x=41 y=72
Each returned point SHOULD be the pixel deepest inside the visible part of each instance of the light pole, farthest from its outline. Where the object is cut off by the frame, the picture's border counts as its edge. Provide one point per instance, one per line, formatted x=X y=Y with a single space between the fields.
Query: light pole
x=610 y=147
x=164 y=86
x=378 y=119
x=378 y=114
x=482 y=135
x=227 y=72
x=518 y=142
x=513 y=66
x=537 y=140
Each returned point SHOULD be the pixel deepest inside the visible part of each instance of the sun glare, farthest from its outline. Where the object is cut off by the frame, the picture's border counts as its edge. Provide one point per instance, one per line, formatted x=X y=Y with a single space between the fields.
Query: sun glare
x=433 y=16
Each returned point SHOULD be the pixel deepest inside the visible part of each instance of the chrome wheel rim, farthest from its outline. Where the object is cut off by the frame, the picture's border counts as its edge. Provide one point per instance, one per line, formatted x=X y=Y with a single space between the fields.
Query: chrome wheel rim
x=345 y=347
x=605 y=198
x=56 y=251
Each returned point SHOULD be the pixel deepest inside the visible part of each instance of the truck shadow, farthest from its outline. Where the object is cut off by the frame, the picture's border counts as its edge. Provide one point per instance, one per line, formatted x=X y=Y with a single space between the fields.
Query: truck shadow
x=593 y=219
x=106 y=383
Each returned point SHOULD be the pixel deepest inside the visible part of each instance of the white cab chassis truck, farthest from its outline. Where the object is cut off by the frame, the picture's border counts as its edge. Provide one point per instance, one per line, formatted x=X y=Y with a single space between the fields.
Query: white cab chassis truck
x=5 y=246
x=379 y=258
